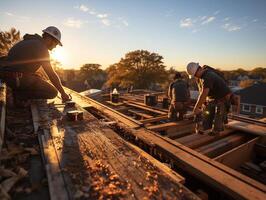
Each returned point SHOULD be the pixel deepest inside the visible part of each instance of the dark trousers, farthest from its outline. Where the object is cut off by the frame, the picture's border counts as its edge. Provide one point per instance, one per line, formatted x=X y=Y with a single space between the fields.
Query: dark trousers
x=215 y=116
x=176 y=111
x=31 y=87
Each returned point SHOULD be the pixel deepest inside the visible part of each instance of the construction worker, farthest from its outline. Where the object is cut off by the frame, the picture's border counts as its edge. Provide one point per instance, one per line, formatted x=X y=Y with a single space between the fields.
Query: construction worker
x=214 y=94
x=178 y=93
x=24 y=59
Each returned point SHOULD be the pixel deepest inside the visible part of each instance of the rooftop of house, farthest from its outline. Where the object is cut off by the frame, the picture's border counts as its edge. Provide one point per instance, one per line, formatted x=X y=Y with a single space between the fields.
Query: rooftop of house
x=255 y=94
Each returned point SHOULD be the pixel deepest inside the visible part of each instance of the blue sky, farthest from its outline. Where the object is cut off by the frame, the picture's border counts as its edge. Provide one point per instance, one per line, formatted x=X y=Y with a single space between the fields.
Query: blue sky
x=224 y=34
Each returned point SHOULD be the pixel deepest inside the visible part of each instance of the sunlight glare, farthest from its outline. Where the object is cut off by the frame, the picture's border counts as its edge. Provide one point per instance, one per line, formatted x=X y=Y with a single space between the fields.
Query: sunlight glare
x=59 y=54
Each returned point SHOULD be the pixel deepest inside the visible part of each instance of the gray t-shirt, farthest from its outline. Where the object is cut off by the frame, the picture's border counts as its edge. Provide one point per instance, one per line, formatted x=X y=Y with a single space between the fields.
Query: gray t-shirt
x=179 y=91
x=216 y=84
x=28 y=55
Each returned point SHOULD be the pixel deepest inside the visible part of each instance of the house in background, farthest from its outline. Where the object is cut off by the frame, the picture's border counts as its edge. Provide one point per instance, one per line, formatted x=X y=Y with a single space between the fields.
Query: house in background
x=253 y=100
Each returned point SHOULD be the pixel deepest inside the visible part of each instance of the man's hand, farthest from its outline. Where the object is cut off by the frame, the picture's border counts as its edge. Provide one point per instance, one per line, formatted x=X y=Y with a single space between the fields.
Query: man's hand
x=65 y=97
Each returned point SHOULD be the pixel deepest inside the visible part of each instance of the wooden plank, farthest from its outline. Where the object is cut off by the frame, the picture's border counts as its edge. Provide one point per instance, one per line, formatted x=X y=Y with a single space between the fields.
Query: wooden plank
x=143 y=115
x=237 y=156
x=218 y=147
x=2 y=113
x=56 y=183
x=246 y=127
x=150 y=109
x=181 y=132
x=165 y=126
x=113 y=114
x=154 y=119
x=172 y=174
x=196 y=140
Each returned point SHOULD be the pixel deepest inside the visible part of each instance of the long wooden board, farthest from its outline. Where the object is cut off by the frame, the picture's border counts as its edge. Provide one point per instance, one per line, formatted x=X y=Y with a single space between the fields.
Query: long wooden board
x=113 y=114
x=246 y=127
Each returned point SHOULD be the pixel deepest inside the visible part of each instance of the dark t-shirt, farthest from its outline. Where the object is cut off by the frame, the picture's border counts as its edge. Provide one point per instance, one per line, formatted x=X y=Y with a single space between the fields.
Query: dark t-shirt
x=28 y=55
x=216 y=84
x=179 y=91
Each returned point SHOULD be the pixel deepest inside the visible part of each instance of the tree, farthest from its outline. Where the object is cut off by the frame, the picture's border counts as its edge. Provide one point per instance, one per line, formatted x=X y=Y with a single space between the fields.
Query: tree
x=92 y=75
x=140 y=69
x=258 y=73
x=246 y=83
x=7 y=40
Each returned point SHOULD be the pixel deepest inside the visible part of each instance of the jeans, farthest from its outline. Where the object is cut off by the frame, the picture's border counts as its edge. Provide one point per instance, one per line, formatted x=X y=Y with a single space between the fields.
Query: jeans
x=177 y=109
x=215 y=116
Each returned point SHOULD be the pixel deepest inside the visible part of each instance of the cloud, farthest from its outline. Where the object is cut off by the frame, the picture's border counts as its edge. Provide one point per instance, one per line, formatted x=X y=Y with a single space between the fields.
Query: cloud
x=186 y=23
x=231 y=28
x=82 y=8
x=216 y=12
x=254 y=20
x=226 y=19
x=125 y=22
x=208 y=20
x=106 y=22
x=73 y=23
x=9 y=14
x=19 y=18
x=101 y=16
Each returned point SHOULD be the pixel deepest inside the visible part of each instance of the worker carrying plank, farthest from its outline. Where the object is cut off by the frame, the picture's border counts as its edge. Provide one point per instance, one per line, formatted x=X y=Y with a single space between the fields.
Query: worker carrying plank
x=178 y=93
x=214 y=94
x=19 y=68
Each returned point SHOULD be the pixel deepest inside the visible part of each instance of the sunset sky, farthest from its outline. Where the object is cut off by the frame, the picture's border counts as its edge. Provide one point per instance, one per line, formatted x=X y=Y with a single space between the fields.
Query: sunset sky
x=225 y=34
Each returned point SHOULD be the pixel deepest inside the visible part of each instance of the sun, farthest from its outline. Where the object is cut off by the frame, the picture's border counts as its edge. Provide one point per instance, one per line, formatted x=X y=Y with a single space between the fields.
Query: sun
x=59 y=54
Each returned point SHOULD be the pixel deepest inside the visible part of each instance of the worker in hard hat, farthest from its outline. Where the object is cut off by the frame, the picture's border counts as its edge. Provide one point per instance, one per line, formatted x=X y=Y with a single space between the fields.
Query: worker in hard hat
x=214 y=94
x=25 y=58
x=179 y=95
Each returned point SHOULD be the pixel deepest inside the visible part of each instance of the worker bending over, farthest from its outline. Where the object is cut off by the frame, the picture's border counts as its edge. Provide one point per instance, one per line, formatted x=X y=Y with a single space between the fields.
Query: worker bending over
x=214 y=94
x=178 y=93
x=24 y=59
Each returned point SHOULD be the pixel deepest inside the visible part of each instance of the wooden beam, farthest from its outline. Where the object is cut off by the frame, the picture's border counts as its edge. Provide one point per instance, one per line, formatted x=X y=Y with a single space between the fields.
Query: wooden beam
x=219 y=147
x=247 y=127
x=111 y=113
x=150 y=109
x=196 y=140
x=141 y=114
x=154 y=119
x=165 y=126
x=56 y=183
x=238 y=155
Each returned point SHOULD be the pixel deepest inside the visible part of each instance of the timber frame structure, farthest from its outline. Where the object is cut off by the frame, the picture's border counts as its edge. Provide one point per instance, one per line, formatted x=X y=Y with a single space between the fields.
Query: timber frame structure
x=129 y=150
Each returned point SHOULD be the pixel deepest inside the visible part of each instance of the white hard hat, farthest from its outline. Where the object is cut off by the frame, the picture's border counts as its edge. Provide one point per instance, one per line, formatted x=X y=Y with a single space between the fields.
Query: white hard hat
x=192 y=68
x=54 y=32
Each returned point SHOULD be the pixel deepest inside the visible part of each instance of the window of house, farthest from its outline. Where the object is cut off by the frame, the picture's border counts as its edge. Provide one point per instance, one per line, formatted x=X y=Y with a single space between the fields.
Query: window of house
x=246 y=108
x=259 y=109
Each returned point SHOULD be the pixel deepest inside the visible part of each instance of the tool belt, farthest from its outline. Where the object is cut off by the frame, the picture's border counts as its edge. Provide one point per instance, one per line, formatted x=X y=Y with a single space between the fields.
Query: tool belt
x=226 y=98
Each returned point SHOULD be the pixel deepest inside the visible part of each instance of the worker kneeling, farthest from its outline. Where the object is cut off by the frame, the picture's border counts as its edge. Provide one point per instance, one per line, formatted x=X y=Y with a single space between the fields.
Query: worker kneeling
x=24 y=59
x=214 y=94
x=179 y=96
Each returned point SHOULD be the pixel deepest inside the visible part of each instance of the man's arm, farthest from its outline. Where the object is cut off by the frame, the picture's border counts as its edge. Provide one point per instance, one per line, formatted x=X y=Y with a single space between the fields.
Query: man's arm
x=55 y=80
x=201 y=100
